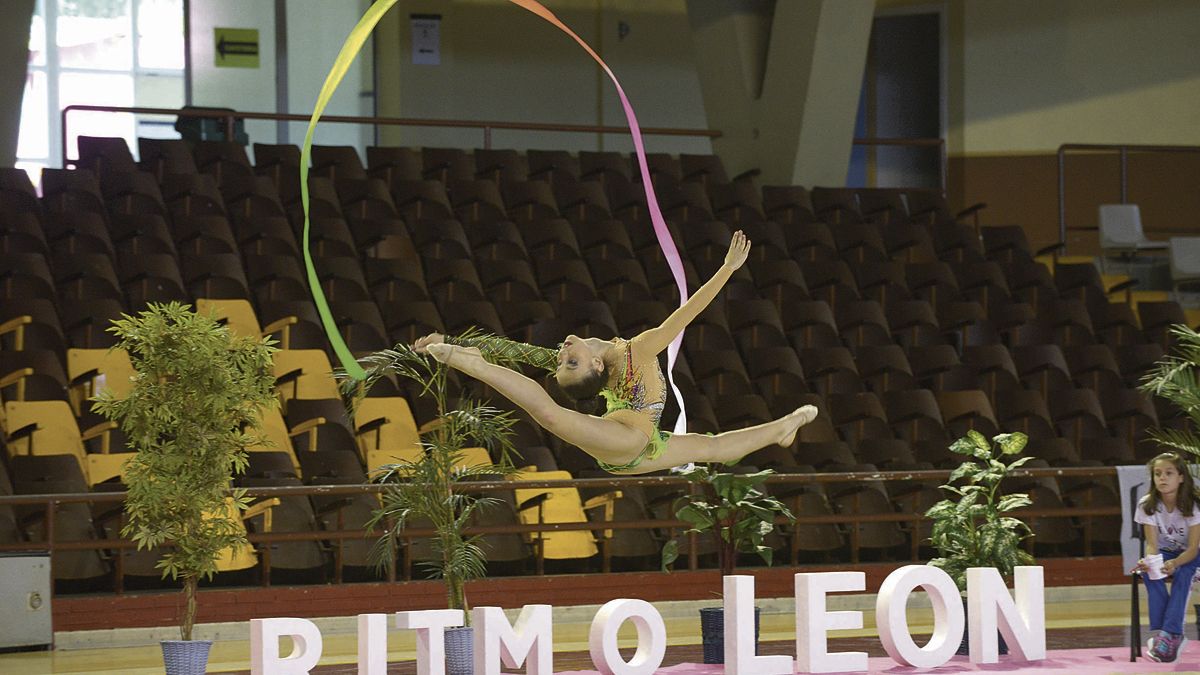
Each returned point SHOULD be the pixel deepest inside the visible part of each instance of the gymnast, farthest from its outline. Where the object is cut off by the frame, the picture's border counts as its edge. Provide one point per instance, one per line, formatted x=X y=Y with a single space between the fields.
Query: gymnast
x=627 y=439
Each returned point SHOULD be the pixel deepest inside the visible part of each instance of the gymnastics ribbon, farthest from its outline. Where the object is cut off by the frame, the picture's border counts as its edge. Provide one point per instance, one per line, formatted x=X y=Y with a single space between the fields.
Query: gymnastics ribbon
x=350 y=49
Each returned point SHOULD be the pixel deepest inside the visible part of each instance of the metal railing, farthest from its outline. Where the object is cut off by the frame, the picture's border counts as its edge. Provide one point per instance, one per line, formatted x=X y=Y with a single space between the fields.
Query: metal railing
x=939 y=143
x=1122 y=151
x=787 y=487
x=230 y=117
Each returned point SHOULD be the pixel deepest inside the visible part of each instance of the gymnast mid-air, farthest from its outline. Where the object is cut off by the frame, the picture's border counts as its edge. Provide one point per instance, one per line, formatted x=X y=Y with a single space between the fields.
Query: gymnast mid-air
x=627 y=438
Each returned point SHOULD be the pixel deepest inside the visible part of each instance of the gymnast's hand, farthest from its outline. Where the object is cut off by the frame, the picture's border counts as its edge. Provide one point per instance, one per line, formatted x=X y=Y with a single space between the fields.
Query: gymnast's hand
x=422 y=344
x=739 y=248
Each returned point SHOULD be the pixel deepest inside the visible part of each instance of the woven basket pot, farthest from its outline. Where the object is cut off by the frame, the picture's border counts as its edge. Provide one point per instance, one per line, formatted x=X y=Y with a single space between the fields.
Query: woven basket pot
x=460 y=651
x=712 y=631
x=185 y=657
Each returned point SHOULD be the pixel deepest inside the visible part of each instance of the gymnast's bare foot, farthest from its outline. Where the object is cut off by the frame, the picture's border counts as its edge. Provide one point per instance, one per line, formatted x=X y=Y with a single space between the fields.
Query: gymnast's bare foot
x=793 y=421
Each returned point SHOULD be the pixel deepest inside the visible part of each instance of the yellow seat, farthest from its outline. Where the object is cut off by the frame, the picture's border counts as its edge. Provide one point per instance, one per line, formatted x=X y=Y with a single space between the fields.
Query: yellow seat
x=275 y=430
x=48 y=428
x=304 y=373
x=102 y=467
x=387 y=432
x=239 y=316
x=473 y=457
x=561 y=505
x=90 y=370
x=245 y=557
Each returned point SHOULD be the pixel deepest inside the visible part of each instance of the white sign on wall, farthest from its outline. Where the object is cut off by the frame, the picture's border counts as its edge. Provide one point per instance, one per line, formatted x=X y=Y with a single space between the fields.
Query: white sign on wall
x=426 y=39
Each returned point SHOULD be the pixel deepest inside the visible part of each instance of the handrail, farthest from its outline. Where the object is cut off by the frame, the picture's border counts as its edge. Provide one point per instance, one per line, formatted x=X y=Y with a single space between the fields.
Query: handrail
x=1123 y=150
x=939 y=143
x=486 y=125
x=51 y=502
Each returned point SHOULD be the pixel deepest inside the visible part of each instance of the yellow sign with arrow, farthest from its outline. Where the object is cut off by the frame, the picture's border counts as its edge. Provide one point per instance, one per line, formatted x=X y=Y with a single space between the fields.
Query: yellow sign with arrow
x=236 y=47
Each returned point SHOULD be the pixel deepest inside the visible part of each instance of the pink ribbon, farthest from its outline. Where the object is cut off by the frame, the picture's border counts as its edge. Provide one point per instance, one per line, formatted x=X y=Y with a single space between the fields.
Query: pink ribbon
x=670 y=252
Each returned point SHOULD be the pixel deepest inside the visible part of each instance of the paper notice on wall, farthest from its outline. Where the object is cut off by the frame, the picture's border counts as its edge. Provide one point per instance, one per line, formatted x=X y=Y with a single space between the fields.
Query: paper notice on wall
x=426 y=39
x=1134 y=483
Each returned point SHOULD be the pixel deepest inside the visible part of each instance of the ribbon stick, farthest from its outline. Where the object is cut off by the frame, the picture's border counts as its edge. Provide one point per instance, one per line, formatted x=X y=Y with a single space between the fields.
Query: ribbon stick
x=350 y=49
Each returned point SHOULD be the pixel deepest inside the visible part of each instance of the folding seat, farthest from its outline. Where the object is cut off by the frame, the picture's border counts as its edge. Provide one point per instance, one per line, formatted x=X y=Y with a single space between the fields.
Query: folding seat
x=914 y=323
x=665 y=170
x=290 y=561
x=476 y=201
x=499 y=240
x=564 y=281
x=1024 y=410
x=1137 y=360
x=1071 y=323
x=561 y=505
x=104 y=154
x=635 y=317
x=294 y=324
x=393 y=163
x=859 y=416
x=38 y=428
x=957 y=243
x=509 y=281
x=831 y=281
x=938 y=367
x=826 y=456
x=886 y=453
x=620 y=281
x=830 y=370
x=530 y=201
x=909 y=243
x=466 y=314
x=1078 y=415
x=775 y=371
x=788 y=204
x=810 y=324
x=161 y=156
x=627 y=202
x=303 y=374
x=422 y=199
x=883 y=282
x=1007 y=243
x=780 y=281
x=1094 y=367
x=552 y=239
x=993 y=367
x=604 y=166
x=709 y=330
x=557 y=167
x=252 y=198
x=17 y=194
x=30 y=323
x=885 y=368
x=448 y=164
x=21 y=233
x=1011 y=318
x=441 y=239
x=860 y=243
x=583 y=202
x=135 y=192
x=72 y=190
x=814 y=540
x=408 y=320
x=862 y=323
x=1130 y=414
x=836 y=205
x=151 y=277
x=360 y=324
x=884 y=206
x=1056 y=451
x=1157 y=319
x=92 y=370
x=755 y=324
x=32 y=375
x=739 y=411
x=1050 y=533
x=1030 y=281
x=982 y=282
x=914 y=415
x=967 y=410
x=218 y=275
x=275 y=277
x=589 y=319
x=934 y=282
x=226 y=160
x=966 y=324
x=663 y=284
x=811 y=241
x=739 y=202
x=73 y=570
x=604 y=240
x=367 y=204
x=930 y=206
x=882 y=538
x=1083 y=282
x=341 y=277
x=320 y=426
x=85 y=321
x=706 y=240
x=387 y=432
x=685 y=203
x=1116 y=325
x=337 y=162
x=719 y=372
x=1042 y=367
x=142 y=234
x=203 y=235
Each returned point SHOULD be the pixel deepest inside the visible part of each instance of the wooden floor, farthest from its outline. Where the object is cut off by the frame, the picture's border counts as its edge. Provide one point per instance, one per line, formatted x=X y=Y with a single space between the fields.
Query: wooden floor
x=1074 y=624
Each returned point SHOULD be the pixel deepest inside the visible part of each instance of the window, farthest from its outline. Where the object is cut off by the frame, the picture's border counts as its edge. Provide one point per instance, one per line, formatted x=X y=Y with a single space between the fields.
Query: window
x=99 y=58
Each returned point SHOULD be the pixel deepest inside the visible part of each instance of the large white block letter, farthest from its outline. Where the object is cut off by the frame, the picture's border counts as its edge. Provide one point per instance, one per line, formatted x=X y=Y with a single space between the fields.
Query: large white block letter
x=531 y=641
x=1023 y=623
x=813 y=622
x=372 y=644
x=651 y=638
x=739 y=633
x=891 y=618
x=430 y=625
x=264 y=646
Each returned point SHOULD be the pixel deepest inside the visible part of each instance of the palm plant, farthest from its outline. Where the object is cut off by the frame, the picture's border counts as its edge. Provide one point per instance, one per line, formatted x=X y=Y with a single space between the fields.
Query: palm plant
x=427 y=489
x=1176 y=378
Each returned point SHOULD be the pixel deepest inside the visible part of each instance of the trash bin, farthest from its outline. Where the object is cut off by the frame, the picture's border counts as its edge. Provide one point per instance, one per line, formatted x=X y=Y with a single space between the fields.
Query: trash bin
x=25 y=600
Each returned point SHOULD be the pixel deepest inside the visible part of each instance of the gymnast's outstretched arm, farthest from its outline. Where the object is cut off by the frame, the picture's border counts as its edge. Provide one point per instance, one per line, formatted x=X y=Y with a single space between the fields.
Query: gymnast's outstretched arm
x=656 y=339
x=497 y=350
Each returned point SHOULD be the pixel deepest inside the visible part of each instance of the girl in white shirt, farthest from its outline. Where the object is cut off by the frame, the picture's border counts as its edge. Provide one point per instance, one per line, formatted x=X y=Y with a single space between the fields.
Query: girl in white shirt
x=1170 y=518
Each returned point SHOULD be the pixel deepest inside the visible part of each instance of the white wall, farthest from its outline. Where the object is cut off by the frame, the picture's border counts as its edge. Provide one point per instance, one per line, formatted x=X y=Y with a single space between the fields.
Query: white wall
x=1031 y=75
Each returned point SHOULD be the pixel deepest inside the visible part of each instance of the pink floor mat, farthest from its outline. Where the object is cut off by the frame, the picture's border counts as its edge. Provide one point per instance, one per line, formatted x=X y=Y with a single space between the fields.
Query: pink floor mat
x=1104 y=661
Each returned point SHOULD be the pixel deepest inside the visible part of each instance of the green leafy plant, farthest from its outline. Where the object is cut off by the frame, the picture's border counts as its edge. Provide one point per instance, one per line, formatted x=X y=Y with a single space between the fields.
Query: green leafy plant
x=733 y=509
x=195 y=405
x=970 y=529
x=426 y=490
x=1176 y=378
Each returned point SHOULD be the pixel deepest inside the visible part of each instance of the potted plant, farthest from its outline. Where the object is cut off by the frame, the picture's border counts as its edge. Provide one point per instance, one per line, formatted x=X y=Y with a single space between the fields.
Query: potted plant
x=970 y=528
x=194 y=407
x=1176 y=378
x=734 y=510
x=425 y=491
